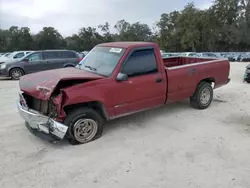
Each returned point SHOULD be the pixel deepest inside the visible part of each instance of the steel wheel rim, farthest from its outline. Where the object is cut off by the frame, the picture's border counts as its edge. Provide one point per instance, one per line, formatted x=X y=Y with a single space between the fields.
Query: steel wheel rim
x=16 y=74
x=205 y=96
x=85 y=130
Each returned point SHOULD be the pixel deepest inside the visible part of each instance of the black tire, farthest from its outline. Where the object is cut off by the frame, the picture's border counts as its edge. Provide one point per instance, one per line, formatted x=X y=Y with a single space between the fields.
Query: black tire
x=78 y=116
x=248 y=81
x=16 y=73
x=197 y=101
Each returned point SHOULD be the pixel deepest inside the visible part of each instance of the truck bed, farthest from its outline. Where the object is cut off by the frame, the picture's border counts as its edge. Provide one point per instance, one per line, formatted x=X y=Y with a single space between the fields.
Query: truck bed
x=185 y=73
x=179 y=61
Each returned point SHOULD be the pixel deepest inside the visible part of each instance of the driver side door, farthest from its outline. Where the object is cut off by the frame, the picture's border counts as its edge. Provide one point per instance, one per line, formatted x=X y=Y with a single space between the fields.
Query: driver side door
x=145 y=87
x=34 y=63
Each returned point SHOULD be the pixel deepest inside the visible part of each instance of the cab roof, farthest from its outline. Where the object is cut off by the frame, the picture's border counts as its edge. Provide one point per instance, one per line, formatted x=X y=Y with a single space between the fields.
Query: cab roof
x=127 y=44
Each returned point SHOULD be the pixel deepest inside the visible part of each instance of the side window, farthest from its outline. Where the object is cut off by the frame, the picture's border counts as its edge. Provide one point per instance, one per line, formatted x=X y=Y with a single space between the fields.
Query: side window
x=19 y=55
x=68 y=54
x=34 y=57
x=141 y=62
x=51 y=55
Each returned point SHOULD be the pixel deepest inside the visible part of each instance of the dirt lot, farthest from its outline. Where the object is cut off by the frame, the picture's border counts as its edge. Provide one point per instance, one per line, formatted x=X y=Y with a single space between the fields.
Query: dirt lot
x=173 y=146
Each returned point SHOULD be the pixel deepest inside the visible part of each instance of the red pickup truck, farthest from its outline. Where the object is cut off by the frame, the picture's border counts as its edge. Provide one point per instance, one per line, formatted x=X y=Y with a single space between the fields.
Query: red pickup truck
x=113 y=80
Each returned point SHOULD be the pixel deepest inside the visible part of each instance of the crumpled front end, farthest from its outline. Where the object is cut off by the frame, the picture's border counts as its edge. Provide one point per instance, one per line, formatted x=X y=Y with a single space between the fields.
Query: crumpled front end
x=41 y=122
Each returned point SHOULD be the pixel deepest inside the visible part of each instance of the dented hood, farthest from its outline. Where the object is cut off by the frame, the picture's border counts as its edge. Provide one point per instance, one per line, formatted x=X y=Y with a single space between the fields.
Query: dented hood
x=41 y=85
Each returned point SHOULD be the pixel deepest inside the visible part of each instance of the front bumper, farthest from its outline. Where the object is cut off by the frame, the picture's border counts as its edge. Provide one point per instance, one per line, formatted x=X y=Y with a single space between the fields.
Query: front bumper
x=4 y=72
x=42 y=123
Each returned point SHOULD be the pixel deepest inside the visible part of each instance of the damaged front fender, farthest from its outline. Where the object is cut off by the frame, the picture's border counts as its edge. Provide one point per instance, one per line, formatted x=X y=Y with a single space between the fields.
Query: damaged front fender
x=59 y=102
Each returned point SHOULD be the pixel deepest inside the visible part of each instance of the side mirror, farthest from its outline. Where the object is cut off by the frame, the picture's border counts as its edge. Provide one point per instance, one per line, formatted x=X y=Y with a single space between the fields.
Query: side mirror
x=122 y=77
x=26 y=60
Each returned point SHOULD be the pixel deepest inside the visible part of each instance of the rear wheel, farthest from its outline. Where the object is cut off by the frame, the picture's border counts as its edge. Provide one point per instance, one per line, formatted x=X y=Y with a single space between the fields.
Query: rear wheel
x=203 y=96
x=16 y=73
x=85 y=125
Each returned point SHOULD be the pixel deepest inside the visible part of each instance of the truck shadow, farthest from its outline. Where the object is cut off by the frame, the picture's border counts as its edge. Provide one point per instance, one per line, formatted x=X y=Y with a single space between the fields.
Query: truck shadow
x=137 y=120
x=141 y=119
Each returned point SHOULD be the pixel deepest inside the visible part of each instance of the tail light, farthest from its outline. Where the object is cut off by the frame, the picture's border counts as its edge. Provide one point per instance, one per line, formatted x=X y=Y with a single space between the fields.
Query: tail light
x=80 y=59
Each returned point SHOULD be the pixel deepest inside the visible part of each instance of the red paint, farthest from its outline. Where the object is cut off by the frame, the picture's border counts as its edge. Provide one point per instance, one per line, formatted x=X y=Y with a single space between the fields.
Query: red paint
x=50 y=79
x=136 y=94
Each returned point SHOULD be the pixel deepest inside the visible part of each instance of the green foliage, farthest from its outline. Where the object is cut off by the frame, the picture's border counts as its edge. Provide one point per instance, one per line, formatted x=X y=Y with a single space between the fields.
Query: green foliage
x=225 y=26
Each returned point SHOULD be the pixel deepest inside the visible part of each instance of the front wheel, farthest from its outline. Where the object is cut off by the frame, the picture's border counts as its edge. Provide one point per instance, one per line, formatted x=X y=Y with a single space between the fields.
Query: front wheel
x=16 y=73
x=85 y=125
x=203 y=96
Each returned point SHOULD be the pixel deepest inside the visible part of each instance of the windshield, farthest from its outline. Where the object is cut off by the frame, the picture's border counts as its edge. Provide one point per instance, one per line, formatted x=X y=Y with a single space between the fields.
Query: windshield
x=101 y=60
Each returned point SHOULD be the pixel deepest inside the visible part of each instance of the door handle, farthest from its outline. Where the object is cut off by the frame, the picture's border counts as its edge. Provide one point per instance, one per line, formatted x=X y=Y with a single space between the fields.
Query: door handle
x=158 y=80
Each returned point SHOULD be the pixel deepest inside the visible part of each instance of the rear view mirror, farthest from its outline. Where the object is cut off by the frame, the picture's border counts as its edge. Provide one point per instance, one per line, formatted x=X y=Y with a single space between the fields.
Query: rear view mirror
x=26 y=60
x=122 y=77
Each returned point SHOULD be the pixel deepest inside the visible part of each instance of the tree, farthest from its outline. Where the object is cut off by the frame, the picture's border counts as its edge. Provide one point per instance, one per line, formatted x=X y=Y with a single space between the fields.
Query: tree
x=107 y=36
x=225 y=26
x=50 y=38
x=132 y=32
x=89 y=37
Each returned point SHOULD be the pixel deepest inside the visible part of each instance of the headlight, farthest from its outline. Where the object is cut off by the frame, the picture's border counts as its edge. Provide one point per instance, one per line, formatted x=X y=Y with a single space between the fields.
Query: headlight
x=2 y=66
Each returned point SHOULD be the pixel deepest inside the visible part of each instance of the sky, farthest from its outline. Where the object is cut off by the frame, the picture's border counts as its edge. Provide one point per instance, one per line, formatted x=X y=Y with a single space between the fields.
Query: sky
x=67 y=16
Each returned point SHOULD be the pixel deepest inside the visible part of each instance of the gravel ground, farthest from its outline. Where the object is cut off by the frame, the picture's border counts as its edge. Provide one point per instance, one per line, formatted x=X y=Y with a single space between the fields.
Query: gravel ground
x=173 y=146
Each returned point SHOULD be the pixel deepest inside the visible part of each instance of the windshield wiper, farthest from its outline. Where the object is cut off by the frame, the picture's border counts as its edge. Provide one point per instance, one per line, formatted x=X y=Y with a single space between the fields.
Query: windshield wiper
x=91 y=68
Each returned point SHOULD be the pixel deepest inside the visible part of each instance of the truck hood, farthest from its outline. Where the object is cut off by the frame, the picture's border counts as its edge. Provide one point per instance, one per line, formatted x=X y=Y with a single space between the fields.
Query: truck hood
x=43 y=84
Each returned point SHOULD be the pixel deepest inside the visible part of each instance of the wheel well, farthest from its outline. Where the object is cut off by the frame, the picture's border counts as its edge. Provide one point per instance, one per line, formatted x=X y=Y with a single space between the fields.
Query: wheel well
x=96 y=105
x=209 y=80
x=68 y=66
x=16 y=68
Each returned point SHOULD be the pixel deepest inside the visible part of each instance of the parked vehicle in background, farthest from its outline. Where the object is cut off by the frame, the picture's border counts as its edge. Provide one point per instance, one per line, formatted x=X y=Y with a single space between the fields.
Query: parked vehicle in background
x=243 y=58
x=4 y=56
x=39 y=61
x=85 y=52
x=162 y=52
x=164 y=55
x=190 y=54
x=208 y=54
x=230 y=57
x=14 y=56
x=115 y=79
x=247 y=74
x=81 y=56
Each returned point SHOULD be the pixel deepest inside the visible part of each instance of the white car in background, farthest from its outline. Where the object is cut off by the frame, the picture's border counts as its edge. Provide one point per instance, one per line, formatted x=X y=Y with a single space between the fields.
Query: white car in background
x=14 y=56
x=5 y=54
x=208 y=54
x=190 y=54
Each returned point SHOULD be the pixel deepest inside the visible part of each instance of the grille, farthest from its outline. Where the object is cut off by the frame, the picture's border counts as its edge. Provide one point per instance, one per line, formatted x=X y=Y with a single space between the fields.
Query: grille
x=44 y=107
